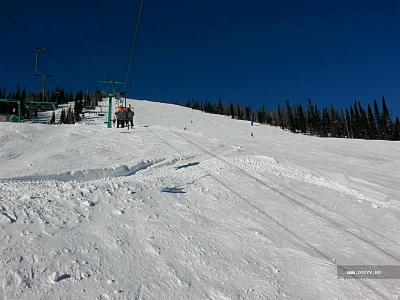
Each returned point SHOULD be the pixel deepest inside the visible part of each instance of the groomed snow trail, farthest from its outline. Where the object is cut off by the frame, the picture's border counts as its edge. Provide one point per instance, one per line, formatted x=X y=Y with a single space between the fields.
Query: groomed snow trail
x=209 y=212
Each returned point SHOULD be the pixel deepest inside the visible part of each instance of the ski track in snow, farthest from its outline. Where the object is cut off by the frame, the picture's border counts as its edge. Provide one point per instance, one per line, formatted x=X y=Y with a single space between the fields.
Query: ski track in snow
x=244 y=164
x=217 y=217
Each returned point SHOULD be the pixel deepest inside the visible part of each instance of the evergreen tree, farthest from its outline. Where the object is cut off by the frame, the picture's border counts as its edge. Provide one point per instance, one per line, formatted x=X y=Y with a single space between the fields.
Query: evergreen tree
x=280 y=118
x=231 y=111
x=363 y=122
x=247 y=113
x=239 y=112
x=353 y=127
x=396 y=135
x=386 y=122
x=196 y=105
x=317 y=116
x=78 y=108
x=372 y=130
x=310 y=117
x=53 y=118
x=325 y=123
x=336 y=124
x=289 y=117
x=356 y=119
x=220 y=108
x=302 y=120
x=261 y=116
x=208 y=107
x=79 y=95
x=348 y=125
x=70 y=116
x=77 y=117
x=378 y=119
x=62 y=117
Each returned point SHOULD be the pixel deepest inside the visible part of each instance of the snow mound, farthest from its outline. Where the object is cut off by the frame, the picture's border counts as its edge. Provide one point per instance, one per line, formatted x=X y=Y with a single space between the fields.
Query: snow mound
x=93 y=174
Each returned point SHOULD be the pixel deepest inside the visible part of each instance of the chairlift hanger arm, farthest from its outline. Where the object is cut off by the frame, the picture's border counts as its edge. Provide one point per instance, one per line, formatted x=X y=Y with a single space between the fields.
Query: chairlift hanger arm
x=111 y=82
x=38 y=51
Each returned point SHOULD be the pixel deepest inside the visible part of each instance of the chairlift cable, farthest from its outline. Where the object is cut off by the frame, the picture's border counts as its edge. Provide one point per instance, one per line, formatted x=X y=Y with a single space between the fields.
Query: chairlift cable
x=83 y=39
x=133 y=46
x=38 y=43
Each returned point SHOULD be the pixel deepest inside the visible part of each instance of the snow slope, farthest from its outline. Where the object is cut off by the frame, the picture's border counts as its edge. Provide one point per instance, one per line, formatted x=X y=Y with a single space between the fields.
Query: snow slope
x=209 y=212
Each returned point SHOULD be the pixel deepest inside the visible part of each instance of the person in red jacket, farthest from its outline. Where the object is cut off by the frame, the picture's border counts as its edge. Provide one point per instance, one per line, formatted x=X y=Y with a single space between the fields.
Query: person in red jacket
x=120 y=113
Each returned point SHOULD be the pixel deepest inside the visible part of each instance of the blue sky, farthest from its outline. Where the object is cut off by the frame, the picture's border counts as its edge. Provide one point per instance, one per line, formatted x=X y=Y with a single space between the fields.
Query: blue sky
x=251 y=52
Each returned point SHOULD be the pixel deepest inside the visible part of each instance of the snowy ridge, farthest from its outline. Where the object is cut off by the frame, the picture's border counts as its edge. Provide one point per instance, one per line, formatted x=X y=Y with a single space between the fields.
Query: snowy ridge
x=93 y=174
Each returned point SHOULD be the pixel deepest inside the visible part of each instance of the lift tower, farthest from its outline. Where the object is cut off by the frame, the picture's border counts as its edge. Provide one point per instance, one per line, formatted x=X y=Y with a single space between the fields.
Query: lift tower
x=42 y=76
x=110 y=95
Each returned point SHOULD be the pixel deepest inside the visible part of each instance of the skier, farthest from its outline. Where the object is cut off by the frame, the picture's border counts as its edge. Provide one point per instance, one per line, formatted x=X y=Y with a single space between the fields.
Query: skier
x=130 y=114
x=120 y=116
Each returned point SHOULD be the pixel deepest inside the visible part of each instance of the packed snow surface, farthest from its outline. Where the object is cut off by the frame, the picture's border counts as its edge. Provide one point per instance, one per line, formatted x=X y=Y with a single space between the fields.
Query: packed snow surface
x=189 y=205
